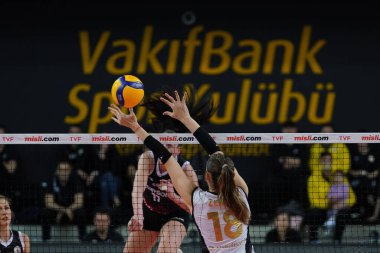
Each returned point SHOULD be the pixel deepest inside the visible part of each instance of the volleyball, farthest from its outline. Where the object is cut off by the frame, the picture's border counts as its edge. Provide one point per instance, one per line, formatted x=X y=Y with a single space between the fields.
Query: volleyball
x=127 y=91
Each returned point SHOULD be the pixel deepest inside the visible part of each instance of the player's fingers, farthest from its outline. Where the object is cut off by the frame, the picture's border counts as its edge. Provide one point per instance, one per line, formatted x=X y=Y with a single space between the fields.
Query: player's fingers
x=116 y=111
x=166 y=102
x=184 y=99
x=116 y=108
x=116 y=120
x=131 y=112
x=113 y=111
x=177 y=98
x=169 y=97
x=170 y=114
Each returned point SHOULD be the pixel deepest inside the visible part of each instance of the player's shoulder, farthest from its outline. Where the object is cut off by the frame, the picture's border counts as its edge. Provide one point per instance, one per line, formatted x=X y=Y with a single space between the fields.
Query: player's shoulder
x=199 y=194
x=147 y=155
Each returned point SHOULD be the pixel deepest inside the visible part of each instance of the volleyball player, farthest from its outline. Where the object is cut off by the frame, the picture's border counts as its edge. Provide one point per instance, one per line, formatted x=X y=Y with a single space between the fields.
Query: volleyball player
x=159 y=212
x=222 y=213
x=10 y=240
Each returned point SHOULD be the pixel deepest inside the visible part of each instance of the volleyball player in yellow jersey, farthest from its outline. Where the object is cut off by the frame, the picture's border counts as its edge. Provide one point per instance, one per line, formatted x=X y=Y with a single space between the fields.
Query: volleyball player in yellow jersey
x=222 y=213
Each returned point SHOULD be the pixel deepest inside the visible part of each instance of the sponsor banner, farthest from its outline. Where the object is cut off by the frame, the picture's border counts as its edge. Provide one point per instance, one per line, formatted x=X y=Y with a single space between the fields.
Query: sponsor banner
x=220 y=138
x=261 y=70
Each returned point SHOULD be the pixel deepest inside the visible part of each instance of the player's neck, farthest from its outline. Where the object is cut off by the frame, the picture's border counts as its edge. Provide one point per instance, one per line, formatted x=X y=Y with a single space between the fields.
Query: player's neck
x=5 y=234
x=212 y=189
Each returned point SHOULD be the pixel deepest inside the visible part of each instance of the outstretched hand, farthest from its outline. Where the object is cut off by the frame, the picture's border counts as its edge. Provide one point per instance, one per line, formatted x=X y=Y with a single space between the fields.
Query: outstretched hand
x=178 y=106
x=127 y=120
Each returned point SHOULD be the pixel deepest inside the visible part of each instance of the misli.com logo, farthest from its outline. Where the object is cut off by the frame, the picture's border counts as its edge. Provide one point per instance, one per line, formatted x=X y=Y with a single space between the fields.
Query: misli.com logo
x=176 y=138
x=311 y=138
x=243 y=138
x=40 y=138
x=107 y=138
x=372 y=137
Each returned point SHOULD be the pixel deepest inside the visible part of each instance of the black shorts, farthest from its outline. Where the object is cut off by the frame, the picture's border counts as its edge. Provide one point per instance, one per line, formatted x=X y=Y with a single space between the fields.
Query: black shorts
x=154 y=221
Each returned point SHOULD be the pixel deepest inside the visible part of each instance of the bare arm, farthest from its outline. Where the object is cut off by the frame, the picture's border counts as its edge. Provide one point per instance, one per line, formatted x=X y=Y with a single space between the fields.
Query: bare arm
x=376 y=211
x=50 y=203
x=78 y=201
x=181 y=182
x=145 y=165
x=27 y=243
x=10 y=166
x=82 y=174
x=177 y=199
x=181 y=113
x=191 y=175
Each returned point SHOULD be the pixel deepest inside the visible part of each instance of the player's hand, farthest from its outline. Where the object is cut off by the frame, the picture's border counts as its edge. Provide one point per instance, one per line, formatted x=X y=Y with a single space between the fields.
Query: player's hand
x=178 y=106
x=136 y=223
x=123 y=119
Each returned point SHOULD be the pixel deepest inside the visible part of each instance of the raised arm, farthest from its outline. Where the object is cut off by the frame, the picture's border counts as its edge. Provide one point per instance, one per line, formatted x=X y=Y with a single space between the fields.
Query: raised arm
x=181 y=182
x=181 y=113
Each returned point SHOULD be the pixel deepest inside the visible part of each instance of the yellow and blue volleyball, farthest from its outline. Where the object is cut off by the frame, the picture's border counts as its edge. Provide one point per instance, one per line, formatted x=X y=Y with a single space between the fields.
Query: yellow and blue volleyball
x=127 y=91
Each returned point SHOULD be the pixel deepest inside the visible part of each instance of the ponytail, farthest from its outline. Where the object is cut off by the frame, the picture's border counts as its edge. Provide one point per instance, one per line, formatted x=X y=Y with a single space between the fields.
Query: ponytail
x=222 y=171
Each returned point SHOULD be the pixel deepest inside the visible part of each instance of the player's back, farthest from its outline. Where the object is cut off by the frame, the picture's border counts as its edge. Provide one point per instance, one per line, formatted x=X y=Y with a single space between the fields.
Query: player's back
x=220 y=229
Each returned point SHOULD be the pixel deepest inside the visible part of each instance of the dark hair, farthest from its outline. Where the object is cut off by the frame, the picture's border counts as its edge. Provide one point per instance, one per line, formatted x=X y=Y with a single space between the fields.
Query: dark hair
x=222 y=174
x=325 y=153
x=10 y=205
x=64 y=159
x=6 y=198
x=102 y=210
x=200 y=109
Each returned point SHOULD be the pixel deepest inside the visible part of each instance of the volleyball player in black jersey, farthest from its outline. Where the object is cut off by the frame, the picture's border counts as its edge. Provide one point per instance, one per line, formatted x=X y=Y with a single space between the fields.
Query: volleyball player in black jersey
x=222 y=213
x=10 y=240
x=159 y=212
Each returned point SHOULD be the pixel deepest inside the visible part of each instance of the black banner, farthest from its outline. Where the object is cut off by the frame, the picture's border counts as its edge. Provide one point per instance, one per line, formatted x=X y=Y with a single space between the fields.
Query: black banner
x=313 y=65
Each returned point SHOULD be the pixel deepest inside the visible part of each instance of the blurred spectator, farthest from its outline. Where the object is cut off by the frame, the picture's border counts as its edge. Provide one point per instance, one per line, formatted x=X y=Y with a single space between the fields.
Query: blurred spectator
x=64 y=201
x=319 y=186
x=103 y=232
x=101 y=174
x=337 y=198
x=364 y=175
x=339 y=151
x=376 y=211
x=282 y=233
x=11 y=178
x=290 y=170
x=76 y=155
x=125 y=163
x=125 y=212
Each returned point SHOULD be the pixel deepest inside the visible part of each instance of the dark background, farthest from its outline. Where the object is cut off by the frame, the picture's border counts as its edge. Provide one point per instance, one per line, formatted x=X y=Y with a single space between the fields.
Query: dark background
x=40 y=61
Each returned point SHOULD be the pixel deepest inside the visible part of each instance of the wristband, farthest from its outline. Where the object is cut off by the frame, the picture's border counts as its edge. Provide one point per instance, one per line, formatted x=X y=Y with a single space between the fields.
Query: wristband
x=157 y=148
x=206 y=141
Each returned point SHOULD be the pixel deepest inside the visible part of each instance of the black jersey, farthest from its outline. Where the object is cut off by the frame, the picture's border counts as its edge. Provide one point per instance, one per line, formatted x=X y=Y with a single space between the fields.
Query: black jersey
x=156 y=199
x=14 y=245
